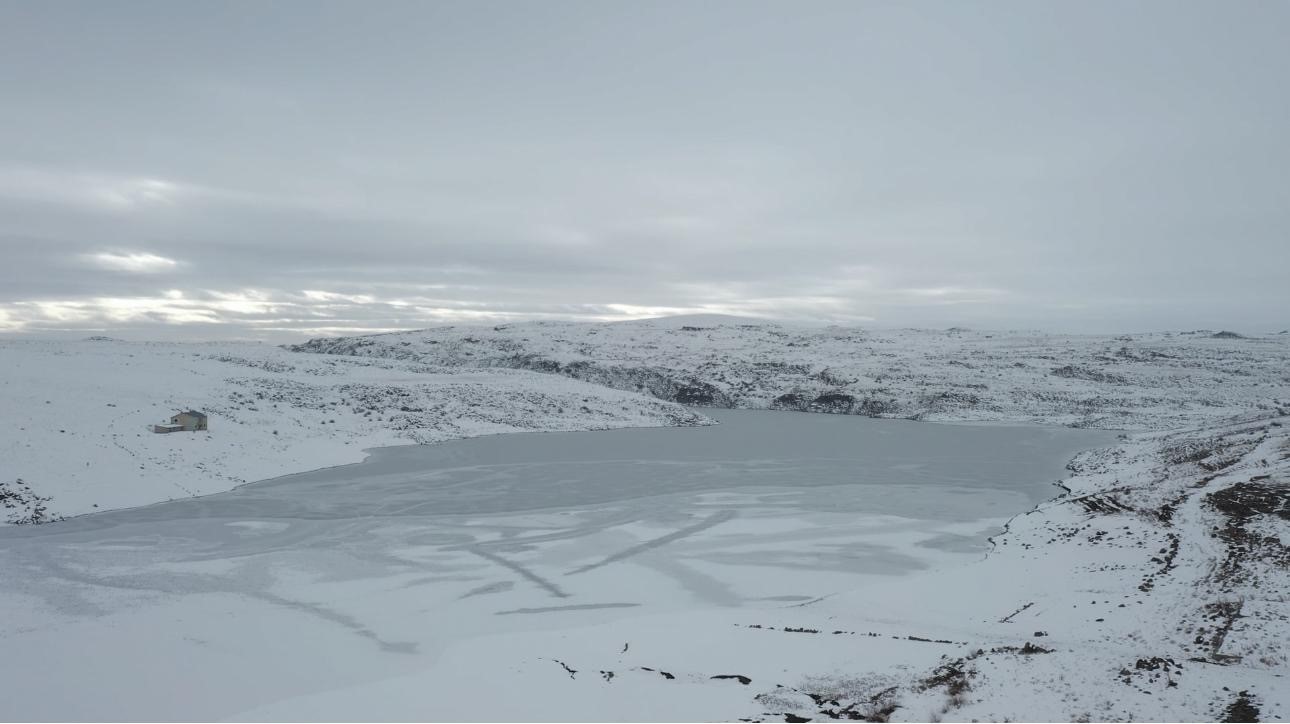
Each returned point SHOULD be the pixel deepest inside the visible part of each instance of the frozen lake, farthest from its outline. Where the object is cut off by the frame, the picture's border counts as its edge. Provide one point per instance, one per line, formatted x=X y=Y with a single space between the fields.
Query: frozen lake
x=890 y=467
x=331 y=578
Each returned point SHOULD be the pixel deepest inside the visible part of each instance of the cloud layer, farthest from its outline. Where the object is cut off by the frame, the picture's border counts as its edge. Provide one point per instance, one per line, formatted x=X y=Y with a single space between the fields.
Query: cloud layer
x=279 y=171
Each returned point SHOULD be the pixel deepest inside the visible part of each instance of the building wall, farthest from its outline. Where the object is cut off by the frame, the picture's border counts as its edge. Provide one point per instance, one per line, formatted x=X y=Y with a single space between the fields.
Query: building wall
x=190 y=422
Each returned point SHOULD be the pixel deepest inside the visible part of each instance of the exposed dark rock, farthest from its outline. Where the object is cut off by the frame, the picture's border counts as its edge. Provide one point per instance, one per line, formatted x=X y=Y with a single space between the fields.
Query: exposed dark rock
x=1089 y=374
x=568 y=670
x=790 y=401
x=1240 y=504
x=24 y=505
x=872 y=407
x=699 y=393
x=835 y=402
x=1242 y=709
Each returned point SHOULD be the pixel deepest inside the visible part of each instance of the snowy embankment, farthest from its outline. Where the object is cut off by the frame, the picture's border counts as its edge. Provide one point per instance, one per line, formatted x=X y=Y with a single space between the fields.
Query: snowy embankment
x=77 y=416
x=1154 y=590
x=1155 y=381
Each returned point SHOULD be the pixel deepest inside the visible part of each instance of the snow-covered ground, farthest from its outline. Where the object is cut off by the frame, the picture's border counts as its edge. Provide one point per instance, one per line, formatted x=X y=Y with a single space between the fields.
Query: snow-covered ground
x=76 y=416
x=1153 y=381
x=1155 y=589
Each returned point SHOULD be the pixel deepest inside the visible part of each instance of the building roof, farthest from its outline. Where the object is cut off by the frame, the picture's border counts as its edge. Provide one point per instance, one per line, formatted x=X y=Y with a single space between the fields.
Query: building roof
x=194 y=413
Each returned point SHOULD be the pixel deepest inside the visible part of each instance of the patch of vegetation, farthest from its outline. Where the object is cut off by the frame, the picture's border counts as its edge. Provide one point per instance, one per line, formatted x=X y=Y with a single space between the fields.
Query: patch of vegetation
x=1240 y=504
x=1243 y=708
x=1151 y=670
x=1088 y=374
x=24 y=505
x=955 y=678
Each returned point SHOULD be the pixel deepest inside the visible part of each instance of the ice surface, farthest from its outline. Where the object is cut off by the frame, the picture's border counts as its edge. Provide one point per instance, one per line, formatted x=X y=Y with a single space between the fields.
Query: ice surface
x=346 y=576
x=915 y=470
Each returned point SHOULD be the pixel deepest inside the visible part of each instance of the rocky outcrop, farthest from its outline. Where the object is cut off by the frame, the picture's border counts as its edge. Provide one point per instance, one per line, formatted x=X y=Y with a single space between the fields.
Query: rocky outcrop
x=1073 y=372
x=837 y=403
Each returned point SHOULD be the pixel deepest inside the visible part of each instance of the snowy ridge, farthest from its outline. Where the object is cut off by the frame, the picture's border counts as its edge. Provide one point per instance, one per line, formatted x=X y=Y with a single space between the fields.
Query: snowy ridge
x=76 y=416
x=1147 y=381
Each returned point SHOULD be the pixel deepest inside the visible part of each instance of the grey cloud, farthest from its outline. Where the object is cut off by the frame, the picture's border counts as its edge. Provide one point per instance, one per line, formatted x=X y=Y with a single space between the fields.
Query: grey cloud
x=1085 y=166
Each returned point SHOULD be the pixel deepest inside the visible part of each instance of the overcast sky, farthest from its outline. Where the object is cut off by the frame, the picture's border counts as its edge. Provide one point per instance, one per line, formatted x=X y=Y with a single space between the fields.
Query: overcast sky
x=293 y=169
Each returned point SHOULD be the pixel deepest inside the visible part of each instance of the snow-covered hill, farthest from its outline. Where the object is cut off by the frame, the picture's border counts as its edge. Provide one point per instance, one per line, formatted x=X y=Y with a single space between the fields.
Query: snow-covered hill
x=76 y=416
x=1147 y=381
